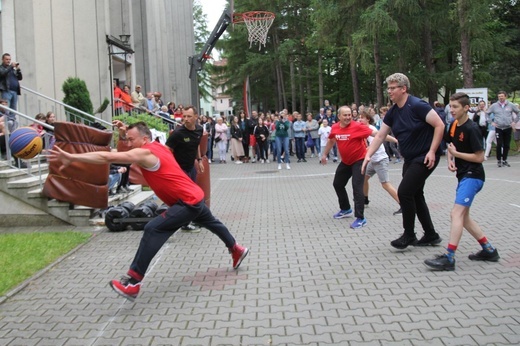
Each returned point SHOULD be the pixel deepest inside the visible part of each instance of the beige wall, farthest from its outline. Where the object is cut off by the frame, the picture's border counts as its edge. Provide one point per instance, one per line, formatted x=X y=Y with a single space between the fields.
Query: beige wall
x=56 y=39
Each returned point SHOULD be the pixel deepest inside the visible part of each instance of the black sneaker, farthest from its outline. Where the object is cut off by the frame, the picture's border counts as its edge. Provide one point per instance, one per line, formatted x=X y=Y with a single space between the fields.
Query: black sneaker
x=429 y=240
x=483 y=255
x=404 y=241
x=440 y=262
x=398 y=212
x=505 y=164
x=499 y=163
x=366 y=201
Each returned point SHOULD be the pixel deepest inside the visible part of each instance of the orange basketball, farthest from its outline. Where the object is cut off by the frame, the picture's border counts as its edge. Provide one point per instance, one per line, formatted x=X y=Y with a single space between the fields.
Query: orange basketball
x=25 y=143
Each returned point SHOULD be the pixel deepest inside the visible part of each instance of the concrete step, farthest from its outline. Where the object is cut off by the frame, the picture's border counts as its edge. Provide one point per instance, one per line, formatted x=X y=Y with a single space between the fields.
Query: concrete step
x=28 y=182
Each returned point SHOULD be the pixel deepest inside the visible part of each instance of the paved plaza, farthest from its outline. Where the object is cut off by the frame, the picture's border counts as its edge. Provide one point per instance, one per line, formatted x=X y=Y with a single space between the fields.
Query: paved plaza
x=309 y=279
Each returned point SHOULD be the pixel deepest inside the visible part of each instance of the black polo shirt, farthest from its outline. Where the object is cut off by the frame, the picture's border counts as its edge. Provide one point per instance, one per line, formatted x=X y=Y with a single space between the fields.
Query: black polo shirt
x=185 y=145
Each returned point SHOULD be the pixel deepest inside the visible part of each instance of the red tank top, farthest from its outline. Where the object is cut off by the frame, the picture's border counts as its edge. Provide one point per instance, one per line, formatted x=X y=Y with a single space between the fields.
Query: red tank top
x=169 y=182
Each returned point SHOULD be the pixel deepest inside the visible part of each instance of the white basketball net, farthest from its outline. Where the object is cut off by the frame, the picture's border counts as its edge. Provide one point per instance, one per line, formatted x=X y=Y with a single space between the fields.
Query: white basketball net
x=258 y=24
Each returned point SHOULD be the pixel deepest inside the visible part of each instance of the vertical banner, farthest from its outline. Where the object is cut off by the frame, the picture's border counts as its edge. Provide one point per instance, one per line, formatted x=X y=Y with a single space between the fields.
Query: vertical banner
x=247 y=97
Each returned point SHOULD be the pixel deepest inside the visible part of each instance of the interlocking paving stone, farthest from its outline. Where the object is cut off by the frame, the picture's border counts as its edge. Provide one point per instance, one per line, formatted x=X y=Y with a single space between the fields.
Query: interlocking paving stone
x=309 y=279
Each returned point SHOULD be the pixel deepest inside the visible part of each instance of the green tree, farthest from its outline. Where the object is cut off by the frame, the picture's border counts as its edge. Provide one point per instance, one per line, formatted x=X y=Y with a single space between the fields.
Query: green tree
x=77 y=96
x=343 y=50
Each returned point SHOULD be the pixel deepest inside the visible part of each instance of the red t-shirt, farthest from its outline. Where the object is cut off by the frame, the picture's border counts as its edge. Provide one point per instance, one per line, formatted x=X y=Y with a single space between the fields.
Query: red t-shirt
x=169 y=182
x=351 y=140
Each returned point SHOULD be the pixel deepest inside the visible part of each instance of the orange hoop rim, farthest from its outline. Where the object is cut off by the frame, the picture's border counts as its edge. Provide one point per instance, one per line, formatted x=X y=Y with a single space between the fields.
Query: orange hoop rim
x=252 y=16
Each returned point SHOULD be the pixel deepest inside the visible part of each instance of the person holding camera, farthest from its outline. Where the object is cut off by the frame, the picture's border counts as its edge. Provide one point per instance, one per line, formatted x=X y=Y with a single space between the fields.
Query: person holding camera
x=10 y=75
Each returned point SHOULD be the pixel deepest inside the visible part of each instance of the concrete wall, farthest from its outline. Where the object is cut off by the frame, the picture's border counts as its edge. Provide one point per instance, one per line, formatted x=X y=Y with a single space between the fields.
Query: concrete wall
x=57 y=39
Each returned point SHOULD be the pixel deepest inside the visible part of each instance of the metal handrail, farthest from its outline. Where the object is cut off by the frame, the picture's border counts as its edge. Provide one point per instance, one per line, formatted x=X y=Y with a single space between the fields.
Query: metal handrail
x=8 y=149
x=67 y=106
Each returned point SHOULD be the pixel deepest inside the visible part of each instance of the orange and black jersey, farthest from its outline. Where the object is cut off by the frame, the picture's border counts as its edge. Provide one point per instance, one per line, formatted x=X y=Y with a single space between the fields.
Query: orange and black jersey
x=467 y=138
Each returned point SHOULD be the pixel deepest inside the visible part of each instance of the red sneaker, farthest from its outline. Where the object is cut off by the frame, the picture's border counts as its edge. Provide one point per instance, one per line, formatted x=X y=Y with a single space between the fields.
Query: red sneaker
x=124 y=288
x=238 y=253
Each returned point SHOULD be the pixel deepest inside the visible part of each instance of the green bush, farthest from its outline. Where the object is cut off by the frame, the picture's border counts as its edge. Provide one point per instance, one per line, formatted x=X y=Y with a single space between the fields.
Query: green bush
x=150 y=121
x=77 y=96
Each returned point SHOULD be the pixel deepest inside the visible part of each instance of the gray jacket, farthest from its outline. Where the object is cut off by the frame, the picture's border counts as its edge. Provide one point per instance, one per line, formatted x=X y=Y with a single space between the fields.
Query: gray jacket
x=504 y=116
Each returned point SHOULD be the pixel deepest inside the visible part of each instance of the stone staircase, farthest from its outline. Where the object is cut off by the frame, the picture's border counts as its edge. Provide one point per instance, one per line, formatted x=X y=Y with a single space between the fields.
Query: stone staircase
x=23 y=203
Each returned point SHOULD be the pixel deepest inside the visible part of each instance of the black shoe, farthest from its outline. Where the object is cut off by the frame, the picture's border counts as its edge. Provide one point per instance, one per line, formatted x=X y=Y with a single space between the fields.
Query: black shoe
x=404 y=241
x=304 y=160
x=398 y=212
x=483 y=255
x=440 y=262
x=499 y=163
x=299 y=161
x=429 y=240
x=505 y=164
x=122 y=189
x=366 y=201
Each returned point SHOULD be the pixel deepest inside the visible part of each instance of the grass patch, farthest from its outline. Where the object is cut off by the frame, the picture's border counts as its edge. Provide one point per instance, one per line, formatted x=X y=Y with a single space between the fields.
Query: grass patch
x=24 y=254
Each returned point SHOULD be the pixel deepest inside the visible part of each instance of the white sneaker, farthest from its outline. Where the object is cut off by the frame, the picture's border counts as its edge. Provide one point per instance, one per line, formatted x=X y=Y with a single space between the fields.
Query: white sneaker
x=209 y=161
x=279 y=166
x=267 y=161
x=238 y=162
x=288 y=167
x=262 y=161
x=253 y=160
x=312 y=155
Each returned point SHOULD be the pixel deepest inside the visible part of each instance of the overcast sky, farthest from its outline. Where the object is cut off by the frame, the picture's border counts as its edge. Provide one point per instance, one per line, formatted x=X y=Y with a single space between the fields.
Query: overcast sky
x=213 y=10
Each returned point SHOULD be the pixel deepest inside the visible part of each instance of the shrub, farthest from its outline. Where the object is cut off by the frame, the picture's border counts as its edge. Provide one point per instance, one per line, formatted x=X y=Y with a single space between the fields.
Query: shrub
x=151 y=121
x=77 y=96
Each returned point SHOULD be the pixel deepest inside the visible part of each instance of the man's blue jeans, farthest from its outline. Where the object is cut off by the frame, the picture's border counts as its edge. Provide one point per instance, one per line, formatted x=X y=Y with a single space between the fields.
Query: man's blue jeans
x=11 y=97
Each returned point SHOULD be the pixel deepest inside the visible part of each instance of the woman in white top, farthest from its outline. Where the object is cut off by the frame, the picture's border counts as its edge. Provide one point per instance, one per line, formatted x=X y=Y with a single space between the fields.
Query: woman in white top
x=221 y=139
x=378 y=164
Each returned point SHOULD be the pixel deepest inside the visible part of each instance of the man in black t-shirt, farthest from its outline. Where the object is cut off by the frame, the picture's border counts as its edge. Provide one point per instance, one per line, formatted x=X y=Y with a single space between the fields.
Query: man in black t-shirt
x=184 y=143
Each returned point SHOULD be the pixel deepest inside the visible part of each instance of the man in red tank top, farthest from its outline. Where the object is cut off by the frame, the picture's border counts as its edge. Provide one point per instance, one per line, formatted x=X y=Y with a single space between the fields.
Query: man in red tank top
x=169 y=182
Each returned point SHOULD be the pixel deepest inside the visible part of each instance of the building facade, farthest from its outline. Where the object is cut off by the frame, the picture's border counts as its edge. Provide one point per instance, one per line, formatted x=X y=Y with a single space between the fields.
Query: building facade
x=56 y=39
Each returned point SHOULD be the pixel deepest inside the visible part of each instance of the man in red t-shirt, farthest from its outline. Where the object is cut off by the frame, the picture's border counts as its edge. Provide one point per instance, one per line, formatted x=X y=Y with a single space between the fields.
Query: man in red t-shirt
x=351 y=139
x=171 y=185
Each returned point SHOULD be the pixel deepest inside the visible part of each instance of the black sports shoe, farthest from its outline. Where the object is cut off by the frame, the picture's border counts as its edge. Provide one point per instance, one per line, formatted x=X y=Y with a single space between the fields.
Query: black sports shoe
x=483 y=255
x=398 y=212
x=429 y=240
x=440 y=262
x=366 y=201
x=404 y=241
x=505 y=164
x=499 y=163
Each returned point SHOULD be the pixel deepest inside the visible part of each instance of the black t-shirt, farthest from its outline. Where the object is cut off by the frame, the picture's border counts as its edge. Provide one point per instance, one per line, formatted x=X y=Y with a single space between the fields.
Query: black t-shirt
x=467 y=138
x=185 y=145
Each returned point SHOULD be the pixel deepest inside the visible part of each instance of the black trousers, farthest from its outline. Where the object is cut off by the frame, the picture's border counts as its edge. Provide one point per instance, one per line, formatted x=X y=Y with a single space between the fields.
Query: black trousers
x=503 y=137
x=343 y=174
x=162 y=227
x=411 y=197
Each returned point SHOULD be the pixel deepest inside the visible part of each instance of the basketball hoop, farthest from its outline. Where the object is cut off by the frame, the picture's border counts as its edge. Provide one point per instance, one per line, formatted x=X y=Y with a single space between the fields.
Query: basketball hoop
x=257 y=23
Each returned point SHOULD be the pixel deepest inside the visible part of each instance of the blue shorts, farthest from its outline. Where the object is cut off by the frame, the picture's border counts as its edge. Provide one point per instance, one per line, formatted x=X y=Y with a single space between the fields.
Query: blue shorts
x=467 y=190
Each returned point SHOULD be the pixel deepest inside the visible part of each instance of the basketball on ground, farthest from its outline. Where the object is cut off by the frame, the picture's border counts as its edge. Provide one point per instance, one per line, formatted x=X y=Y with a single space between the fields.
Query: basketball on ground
x=25 y=143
